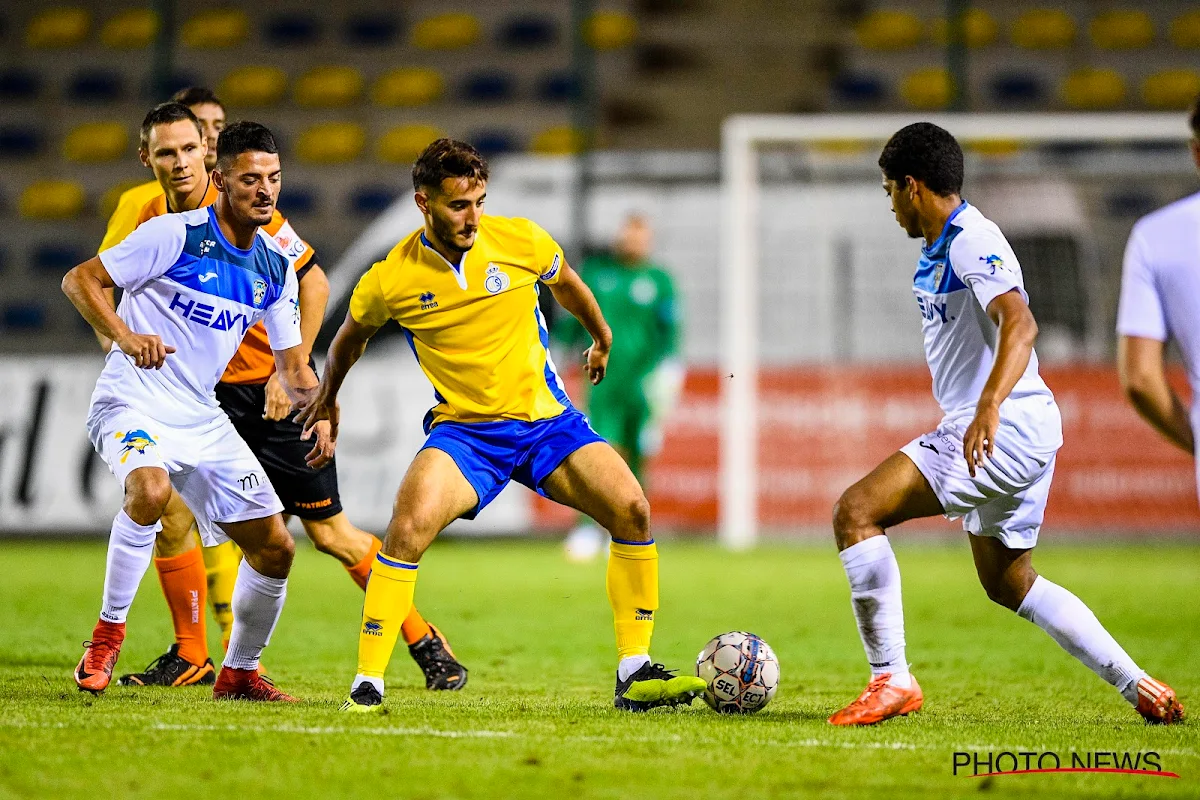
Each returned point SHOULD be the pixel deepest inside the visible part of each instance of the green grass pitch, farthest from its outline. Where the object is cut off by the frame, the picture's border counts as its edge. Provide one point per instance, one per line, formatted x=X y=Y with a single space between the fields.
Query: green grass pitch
x=536 y=719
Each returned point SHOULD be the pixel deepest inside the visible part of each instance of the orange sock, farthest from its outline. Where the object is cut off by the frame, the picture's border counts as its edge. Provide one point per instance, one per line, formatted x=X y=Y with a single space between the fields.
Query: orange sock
x=185 y=586
x=414 y=628
x=362 y=570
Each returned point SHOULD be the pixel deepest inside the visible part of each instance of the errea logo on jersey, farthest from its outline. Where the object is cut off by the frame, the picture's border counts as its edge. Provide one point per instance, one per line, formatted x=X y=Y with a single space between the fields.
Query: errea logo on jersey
x=427 y=301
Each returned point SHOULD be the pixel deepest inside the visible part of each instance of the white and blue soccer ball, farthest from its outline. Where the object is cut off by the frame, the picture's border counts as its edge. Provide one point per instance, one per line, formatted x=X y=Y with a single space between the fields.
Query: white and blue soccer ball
x=740 y=671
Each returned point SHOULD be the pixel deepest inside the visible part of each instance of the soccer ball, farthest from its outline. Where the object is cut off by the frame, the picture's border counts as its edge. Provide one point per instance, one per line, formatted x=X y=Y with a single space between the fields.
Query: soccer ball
x=741 y=673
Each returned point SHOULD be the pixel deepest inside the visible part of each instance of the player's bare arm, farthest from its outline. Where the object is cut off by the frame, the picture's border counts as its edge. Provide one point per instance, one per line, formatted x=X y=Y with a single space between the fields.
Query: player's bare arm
x=85 y=285
x=574 y=295
x=1142 y=368
x=313 y=296
x=346 y=348
x=300 y=382
x=1017 y=333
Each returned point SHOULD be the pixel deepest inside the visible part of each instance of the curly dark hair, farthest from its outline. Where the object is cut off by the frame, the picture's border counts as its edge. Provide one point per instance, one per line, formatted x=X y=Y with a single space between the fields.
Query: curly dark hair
x=927 y=153
x=447 y=158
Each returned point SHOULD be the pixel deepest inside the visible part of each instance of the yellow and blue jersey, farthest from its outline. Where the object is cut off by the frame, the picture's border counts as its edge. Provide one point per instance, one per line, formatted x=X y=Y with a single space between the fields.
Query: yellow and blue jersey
x=475 y=327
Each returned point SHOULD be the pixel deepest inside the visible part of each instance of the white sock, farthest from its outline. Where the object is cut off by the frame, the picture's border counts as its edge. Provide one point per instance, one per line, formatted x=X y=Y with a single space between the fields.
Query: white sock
x=360 y=679
x=130 y=548
x=875 y=595
x=630 y=665
x=257 y=603
x=1076 y=629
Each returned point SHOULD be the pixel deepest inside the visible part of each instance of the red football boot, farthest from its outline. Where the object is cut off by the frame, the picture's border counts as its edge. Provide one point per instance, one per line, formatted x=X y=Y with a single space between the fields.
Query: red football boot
x=247 y=684
x=94 y=670
x=880 y=701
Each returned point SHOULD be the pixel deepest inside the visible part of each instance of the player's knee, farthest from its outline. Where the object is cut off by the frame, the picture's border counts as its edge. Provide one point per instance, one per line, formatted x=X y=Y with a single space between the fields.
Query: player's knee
x=322 y=535
x=147 y=492
x=277 y=553
x=1003 y=591
x=634 y=514
x=850 y=515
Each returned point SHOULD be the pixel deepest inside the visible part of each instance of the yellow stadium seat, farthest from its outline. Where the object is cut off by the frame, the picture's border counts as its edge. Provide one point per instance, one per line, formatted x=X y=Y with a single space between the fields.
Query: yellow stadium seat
x=1172 y=89
x=331 y=143
x=328 y=87
x=215 y=29
x=928 y=89
x=1185 y=30
x=979 y=28
x=446 y=32
x=58 y=28
x=994 y=148
x=408 y=87
x=1043 y=29
x=1124 y=29
x=52 y=200
x=253 y=86
x=609 y=30
x=889 y=30
x=402 y=145
x=130 y=30
x=841 y=147
x=1093 y=89
x=109 y=200
x=95 y=142
x=560 y=140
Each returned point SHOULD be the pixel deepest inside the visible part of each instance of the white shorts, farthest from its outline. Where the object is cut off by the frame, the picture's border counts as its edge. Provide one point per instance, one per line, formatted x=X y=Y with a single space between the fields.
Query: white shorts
x=1007 y=497
x=210 y=466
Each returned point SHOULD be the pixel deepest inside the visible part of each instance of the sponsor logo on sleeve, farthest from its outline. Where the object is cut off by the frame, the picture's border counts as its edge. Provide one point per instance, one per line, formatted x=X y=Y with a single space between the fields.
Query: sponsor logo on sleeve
x=549 y=274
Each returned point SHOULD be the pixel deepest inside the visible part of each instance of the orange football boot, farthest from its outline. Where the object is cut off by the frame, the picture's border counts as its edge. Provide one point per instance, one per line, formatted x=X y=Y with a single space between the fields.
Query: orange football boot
x=1157 y=702
x=248 y=684
x=94 y=670
x=880 y=701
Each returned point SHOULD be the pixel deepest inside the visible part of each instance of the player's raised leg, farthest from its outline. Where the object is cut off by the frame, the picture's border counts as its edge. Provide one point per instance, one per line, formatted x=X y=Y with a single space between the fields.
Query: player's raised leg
x=596 y=481
x=433 y=494
x=1010 y=580
x=894 y=492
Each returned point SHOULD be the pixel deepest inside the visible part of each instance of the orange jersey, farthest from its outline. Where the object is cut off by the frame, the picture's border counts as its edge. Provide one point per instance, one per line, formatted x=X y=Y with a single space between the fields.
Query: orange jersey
x=253 y=362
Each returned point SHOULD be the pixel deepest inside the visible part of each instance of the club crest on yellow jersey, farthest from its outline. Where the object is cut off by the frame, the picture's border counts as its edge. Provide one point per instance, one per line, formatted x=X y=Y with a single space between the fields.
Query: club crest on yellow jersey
x=496 y=281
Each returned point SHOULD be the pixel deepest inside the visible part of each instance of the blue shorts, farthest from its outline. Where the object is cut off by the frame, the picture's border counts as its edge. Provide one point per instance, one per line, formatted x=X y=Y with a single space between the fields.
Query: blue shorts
x=490 y=454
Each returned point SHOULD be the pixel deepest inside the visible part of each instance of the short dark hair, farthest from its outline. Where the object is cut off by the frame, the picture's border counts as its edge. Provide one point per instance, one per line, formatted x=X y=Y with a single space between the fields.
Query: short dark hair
x=927 y=153
x=195 y=96
x=1194 y=120
x=244 y=137
x=164 y=114
x=447 y=158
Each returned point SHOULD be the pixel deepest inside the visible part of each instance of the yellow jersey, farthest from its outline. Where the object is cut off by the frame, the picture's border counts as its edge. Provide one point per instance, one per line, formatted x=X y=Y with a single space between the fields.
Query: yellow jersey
x=475 y=328
x=125 y=217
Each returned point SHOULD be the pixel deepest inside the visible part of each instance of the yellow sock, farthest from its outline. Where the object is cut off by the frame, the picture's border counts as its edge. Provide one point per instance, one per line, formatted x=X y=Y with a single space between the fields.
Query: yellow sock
x=632 y=584
x=389 y=599
x=221 y=567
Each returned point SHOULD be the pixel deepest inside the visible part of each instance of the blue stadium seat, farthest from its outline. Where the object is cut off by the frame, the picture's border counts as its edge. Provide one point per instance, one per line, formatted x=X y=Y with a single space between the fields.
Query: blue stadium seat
x=373 y=199
x=58 y=257
x=372 y=30
x=859 y=88
x=489 y=87
x=495 y=142
x=297 y=200
x=26 y=317
x=17 y=85
x=159 y=92
x=19 y=142
x=557 y=87
x=528 y=32
x=1016 y=87
x=96 y=86
x=292 y=30
x=1131 y=203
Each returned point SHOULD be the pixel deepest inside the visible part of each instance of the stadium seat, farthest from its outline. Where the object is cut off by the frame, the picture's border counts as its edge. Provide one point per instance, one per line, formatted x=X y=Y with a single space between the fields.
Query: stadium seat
x=371 y=30
x=159 y=91
x=58 y=257
x=331 y=143
x=979 y=29
x=372 y=200
x=489 y=87
x=296 y=201
x=110 y=198
x=927 y=89
x=1043 y=29
x=215 y=29
x=1130 y=203
x=557 y=87
x=1171 y=90
x=328 y=87
x=609 y=30
x=859 y=88
x=58 y=28
x=292 y=30
x=130 y=30
x=559 y=140
x=18 y=141
x=23 y=317
x=1093 y=89
x=889 y=29
x=446 y=32
x=51 y=199
x=253 y=86
x=993 y=148
x=96 y=86
x=528 y=32
x=96 y=142
x=1016 y=88
x=1185 y=30
x=494 y=142
x=403 y=144
x=1122 y=29
x=19 y=85
x=408 y=87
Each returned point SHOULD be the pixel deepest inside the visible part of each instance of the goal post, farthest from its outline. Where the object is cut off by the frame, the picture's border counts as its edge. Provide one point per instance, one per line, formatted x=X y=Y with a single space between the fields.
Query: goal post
x=743 y=141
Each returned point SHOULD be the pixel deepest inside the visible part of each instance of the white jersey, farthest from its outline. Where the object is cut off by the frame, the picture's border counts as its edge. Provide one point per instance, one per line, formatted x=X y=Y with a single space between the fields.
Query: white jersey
x=1160 y=284
x=968 y=266
x=186 y=283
